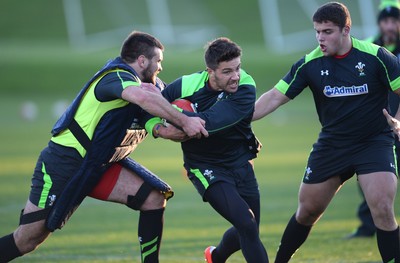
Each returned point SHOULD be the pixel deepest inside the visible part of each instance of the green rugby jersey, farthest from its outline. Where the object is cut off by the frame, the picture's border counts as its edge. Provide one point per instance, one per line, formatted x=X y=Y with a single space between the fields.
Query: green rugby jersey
x=349 y=92
x=227 y=115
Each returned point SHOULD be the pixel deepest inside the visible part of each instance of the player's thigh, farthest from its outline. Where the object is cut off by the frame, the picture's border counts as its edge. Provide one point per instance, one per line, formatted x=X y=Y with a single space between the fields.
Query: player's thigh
x=314 y=199
x=128 y=184
x=379 y=188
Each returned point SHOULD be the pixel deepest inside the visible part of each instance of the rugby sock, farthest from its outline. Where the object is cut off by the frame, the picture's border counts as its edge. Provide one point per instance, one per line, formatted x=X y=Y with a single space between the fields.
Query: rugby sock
x=8 y=249
x=151 y=224
x=229 y=244
x=294 y=236
x=388 y=244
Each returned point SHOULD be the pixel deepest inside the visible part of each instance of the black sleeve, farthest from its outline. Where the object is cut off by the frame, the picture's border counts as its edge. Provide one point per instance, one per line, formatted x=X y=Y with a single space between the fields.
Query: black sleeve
x=390 y=75
x=173 y=90
x=110 y=86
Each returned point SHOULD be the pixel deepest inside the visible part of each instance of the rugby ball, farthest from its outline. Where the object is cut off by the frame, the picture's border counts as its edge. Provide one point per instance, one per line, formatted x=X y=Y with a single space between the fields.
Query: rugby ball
x=185 y=105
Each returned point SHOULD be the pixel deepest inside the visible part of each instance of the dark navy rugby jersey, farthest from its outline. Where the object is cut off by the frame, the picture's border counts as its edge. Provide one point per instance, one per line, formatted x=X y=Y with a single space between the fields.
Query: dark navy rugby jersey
x=349 y=92
x=227 y=116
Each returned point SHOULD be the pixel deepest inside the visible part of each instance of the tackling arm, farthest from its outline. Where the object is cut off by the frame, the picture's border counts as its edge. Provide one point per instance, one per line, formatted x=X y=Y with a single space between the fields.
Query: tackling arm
x=155 y=104
x=268 y=102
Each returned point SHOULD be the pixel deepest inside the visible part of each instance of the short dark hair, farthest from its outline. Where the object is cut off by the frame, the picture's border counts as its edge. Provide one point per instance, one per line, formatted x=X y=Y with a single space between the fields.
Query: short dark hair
x=139 y=43
x=219 y=50
x=334 y=12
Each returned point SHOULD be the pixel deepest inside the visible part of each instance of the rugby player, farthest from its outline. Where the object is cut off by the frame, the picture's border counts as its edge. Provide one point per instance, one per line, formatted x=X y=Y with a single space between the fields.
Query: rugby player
x=88 y=153
x=388 y=37
x=220 y=166
x=350 y=80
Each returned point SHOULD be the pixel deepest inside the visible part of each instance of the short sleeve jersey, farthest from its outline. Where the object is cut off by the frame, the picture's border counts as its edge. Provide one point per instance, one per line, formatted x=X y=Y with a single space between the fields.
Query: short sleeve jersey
x=349 y=92
x=227 y=116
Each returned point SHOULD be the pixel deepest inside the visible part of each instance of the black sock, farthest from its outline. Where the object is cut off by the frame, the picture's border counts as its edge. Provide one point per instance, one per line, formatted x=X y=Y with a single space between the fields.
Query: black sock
x=150 y=232
x=8 y=249
x=388 y=244
x=229 y=244
x=294 y=236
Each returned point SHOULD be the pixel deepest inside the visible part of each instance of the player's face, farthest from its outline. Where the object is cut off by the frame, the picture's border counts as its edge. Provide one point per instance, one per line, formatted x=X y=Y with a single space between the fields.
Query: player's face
x=226 y=76
x=331 y=39
x=152 y=67
x=389 y=28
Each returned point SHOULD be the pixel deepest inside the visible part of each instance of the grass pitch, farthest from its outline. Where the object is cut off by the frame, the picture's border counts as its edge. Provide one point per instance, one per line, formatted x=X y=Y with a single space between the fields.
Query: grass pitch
x=105 y=232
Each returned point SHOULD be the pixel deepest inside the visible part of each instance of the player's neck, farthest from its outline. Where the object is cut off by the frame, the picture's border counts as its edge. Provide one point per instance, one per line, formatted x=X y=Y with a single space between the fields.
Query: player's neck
x=345 y=49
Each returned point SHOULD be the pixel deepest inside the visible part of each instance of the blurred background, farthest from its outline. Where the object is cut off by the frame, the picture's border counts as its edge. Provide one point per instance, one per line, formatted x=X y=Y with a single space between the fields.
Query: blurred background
x=49 y=49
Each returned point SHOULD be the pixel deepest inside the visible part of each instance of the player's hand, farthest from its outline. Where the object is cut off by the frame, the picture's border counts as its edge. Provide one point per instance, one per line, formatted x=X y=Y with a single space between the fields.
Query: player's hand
x=172 y=133
x=150 y=88
x=194 y=127
x=393 y=123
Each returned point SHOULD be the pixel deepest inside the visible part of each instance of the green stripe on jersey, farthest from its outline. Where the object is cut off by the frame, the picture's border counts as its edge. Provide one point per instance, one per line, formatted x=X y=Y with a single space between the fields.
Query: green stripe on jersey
x=365 y=46
x=395 y=84
x=125 y=84
x=246 y=79
x=201 y=177
x=192 y=83
x=316 y=53
x=46 y=187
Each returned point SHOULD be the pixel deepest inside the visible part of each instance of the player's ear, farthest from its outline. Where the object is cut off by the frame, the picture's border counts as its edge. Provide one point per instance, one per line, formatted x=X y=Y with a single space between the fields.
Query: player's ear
x=142 y=61
x=346 y=30
x=209 y=71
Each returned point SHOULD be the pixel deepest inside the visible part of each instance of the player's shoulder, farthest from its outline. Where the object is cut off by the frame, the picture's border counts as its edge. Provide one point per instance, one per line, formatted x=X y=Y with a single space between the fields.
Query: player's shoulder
x=118 y=74
x=365 y=46
x=314 y=54
x=246 y=79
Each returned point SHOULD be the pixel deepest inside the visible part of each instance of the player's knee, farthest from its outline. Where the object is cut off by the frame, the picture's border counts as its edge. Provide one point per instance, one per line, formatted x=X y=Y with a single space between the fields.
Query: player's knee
x=382 y=211
x=247 y=227
x=308 y=215
x=155 y=200
x=28 y=240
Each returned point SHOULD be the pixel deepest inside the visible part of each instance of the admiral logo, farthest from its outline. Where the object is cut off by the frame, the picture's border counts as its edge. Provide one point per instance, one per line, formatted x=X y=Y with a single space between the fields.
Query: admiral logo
x=345 y=91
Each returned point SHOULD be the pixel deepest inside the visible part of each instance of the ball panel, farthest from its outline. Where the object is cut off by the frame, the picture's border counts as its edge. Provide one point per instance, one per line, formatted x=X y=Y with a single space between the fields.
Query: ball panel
x=184 y=105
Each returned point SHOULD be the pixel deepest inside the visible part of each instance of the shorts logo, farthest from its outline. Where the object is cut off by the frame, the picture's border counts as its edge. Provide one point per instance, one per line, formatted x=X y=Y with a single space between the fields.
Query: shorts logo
x=308 y=172
x=209 y=174
x=52 y=199
x=345 y=91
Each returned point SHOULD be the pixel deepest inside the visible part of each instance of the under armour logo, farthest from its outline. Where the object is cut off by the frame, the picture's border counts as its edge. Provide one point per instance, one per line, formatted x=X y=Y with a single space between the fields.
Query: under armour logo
x=324 y=72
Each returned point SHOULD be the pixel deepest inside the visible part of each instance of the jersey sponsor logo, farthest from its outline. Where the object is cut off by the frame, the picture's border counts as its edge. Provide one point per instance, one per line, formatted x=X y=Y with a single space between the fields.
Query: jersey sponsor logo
x=345 y=91
x=360 y=66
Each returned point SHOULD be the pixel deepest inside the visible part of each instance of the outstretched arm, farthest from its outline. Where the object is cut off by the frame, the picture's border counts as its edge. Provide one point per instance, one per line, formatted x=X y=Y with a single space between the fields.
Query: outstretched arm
x=156 y=105
x=268 y=102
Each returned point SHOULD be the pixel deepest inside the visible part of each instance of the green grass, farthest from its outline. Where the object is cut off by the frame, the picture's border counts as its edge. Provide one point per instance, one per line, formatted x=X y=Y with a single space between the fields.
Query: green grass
x=103 y=232
x=42 y=68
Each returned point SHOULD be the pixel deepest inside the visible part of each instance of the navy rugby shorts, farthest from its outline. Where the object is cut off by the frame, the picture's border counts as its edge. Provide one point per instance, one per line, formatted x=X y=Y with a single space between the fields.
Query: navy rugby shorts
x=243 y=178
x=326 y=161
x=55 y=165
